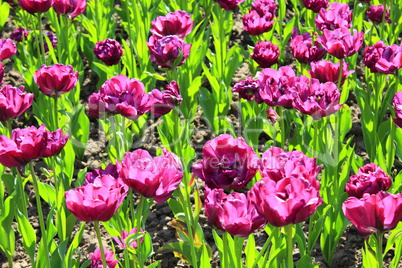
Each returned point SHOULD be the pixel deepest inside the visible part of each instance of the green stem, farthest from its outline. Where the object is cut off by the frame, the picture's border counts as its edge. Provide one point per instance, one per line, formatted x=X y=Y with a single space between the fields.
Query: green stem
x=383 y=20
x=23 y=204
x=40 y=213
x=98 y=235
x=265 y=246
x=131 y=204
x=289 y=244
x=10 y=261
x=9 y=127
x=55 y=112
x=282 y=126
x=139 y=210
x=42 y=44
x=379 y=236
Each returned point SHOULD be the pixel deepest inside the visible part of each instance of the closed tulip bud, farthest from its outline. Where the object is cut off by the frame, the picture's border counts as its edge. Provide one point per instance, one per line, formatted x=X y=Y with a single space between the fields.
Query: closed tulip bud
x=96 y=259
x=265 y=54
x=229 y=4
x=166 y=100
x=71 y=8
x=35 y=6
x=326 y=71
x=175 y=23
x=336 y=16
x=109 y=51
x=56 y=79
x=233 y=213
x=7 y=49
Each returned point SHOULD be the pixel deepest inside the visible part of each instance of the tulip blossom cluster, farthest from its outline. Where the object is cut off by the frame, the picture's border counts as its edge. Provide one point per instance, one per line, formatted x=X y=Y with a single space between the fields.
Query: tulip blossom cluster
x=303 y=49
x=166 y=43
x=109 y=51
x=260 y=18
x=7 y=49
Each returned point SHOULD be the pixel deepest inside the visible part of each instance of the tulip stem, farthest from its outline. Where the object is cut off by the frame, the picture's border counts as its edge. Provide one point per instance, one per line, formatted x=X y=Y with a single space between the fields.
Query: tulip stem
x=40 y=213
x=289 y=244
x=42 y=44
x=383 y=20
x=379 y=248
x=98 y=235
x=55 y=110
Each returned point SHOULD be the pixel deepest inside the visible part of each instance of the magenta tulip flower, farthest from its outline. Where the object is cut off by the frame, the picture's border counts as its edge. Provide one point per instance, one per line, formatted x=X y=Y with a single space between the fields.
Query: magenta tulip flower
x=369 y=179
x=226 y=163
x=316 y=99
x=19 y=34
x=7 y=49
x=246 y=88
x=340 y=43
x=169 y=51
x=374 y=213
x=121 y=241
x=166 y=100
x=71 y=8
x=55 y=143
x=255 y=24
x=229 y=4
x=375 y=13
x=372 y=54
x=397 y=104
x=155 y=178
x=265 y=54
x=264 y=6
x=56 y=79
x=288 y=201
x=272 y=116
x=96 y=259
x=391 y=60
x=303 y=49
x=120 y=95
x=97 y=201
x=176 y=23
x=276 y=164
x=233 y=213
x=111 y=170
x=315 y=5
x=35 y=6
x=326 y=71
x=338 y=15
x=109 y=51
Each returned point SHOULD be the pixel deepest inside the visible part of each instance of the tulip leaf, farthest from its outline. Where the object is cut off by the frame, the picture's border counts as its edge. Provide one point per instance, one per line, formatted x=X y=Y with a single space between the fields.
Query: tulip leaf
x=306 y=262
x=28 y=234
x=180 y=249
x=250 y=251
x=4 y=11
x=47 y=192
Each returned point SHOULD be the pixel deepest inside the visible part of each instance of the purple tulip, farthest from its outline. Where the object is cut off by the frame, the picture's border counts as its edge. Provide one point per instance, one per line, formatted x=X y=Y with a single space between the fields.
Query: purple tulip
x=19 y=34
x=121 y=241
x=303 y=49
x=175 y=23
x=109 y=170
x=265 y=54
x=96 y=259
x=369 y=179
x=288 y=201
x=229 y=4
x=397 y=104
x=233 y=213
x=71 y=8
x=255 y=24
x=56 y=79
x=109 y=51
x=338 y=15
x=155 y=178
x=340 y=43
x=97 y=201
x=372 y=54
x=169 y=51
x=120 y=95
x=55 y=143
x=272 y=116
x=35 y=6
x=7 y=49
x=246 y=88
x=315 y=5
x=374 y=213
x=391 y=60
x=275 y=88
x=326 y=71
x=166 y=100
x=264 y=6
x=226 y=162
x=374 y=13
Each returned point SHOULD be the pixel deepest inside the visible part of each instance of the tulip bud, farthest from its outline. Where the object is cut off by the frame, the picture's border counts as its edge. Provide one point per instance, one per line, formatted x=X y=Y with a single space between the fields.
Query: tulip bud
x=108 y=51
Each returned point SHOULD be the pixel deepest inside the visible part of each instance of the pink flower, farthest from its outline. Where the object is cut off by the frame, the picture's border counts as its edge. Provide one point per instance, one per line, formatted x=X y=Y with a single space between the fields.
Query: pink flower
x=109 y=51
x=24 y=146
x=120 y=95
x=255 y=24
x=374 y=213
x=315 y=5
x=55 y=143
x=96 y=259
x=166 y=100
x=122 y=240
x=233 y=213
x=340 y=43
x=229 y=4
x=326 y=71
x=374 y=13
x=275 y=88
x=246 y=88
x=369 y=179
x=372 y=54
x=13 y=102
x=288 y=201
x=35 y=6
x=111 y=170
x=169 y=51
x=391 y=60
x=19 y=34
x=272 y=116
x=226 y=162
x=397 y=104
x=264 y=6
x=96 y=201
x=155 y=178
x=276 y=164
x=175 y=23
x=71 y=8
x=265 y=54
x=56 y=79
x=336 y=16
x=7 y=48
x=303 y=49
